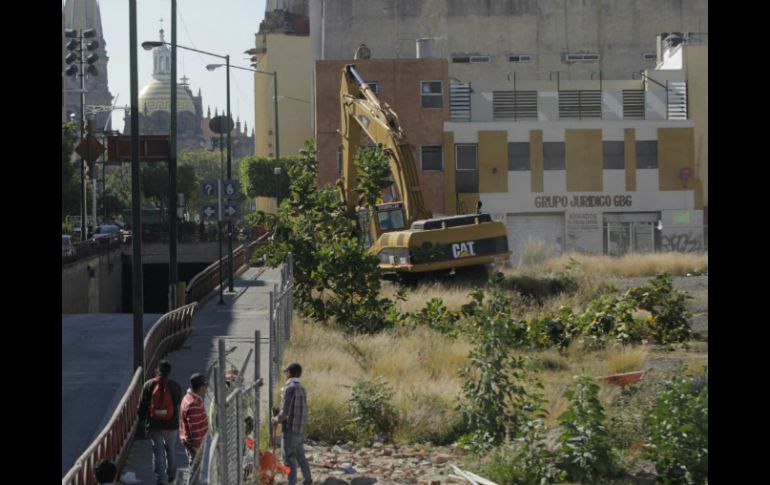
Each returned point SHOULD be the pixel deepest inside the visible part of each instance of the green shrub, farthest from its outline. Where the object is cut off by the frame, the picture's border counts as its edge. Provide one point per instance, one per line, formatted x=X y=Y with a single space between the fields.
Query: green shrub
x=528 y=464
x=585 y=452
x=436 y=316
x=373 y=415
x=679 y=432
x=497 y=393
x=670 y=317
x=552 y=329
x=610 y=316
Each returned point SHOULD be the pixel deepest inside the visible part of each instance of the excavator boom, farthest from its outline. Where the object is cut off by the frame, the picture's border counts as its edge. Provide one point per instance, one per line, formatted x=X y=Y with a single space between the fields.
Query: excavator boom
x=404 y=235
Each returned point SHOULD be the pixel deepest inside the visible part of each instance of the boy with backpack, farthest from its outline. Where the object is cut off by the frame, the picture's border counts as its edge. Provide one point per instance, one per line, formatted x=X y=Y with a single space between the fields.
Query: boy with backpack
x=159 y=410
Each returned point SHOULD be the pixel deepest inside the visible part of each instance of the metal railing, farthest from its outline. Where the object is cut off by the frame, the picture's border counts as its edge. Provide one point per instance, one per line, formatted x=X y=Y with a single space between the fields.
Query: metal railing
x=171 y=330
x=115 y=440
x=86 y=249
x=204 y=282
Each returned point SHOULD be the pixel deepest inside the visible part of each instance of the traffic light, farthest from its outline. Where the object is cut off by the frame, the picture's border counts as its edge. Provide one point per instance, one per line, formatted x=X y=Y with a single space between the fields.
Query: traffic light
x=73 y=56
x=75 y=48
x=91 y=46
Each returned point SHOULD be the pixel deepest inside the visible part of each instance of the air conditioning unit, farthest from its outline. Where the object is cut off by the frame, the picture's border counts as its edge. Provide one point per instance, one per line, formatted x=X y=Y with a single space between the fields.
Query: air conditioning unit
x=521 y=58
x=581 y=57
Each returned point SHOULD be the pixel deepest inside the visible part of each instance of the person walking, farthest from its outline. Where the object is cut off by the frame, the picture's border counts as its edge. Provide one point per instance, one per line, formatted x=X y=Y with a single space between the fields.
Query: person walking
x=159 y=409
x=293 y=417
x=193 y=421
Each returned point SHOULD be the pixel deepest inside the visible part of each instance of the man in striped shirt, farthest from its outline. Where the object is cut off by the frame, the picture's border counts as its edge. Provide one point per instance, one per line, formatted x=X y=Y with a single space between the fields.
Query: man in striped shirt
x=193 y=421
x=293 y=416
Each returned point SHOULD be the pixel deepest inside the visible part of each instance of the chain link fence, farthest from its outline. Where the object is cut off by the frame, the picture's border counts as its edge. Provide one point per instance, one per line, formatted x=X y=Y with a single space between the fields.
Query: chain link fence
x=232 y=455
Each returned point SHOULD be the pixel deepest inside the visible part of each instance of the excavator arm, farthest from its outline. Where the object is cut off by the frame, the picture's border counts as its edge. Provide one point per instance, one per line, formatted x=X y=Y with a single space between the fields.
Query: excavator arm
x=361 y=110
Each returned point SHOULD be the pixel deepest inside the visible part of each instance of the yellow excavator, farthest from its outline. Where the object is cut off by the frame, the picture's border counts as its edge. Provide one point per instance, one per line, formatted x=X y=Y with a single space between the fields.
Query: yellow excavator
x=403 y=234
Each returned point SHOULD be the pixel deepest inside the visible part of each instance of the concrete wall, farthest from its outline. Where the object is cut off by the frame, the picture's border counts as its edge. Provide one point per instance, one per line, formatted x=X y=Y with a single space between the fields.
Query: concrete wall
x=200 y=252
x=93 y=285
x=618 y=30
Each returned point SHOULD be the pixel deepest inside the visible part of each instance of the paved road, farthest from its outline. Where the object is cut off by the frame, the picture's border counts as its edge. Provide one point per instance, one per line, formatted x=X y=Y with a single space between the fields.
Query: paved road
x=97 y=364
x=245 y=310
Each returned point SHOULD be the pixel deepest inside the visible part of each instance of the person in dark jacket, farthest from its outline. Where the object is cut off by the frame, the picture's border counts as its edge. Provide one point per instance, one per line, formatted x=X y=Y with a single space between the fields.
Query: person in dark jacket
x=163 y=432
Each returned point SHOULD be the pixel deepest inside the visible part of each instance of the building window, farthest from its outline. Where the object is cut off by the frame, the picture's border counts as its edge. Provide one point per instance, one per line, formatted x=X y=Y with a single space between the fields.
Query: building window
x=432 y=157
x=520 y=58
x=467 y=157
x=649 y=56
x=553 y=155
x=570 y=57
x=432 y=94
x=614 y=155
x=646 y=154
x=339 y=159
x=518 y=156
x=467 y=59
x=374 y=86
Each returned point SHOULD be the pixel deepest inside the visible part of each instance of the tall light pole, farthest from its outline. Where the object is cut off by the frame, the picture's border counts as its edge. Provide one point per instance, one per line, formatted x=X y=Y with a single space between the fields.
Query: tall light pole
x=136 y=208
x=78 y=49
x=149 y=45
x=172 y=187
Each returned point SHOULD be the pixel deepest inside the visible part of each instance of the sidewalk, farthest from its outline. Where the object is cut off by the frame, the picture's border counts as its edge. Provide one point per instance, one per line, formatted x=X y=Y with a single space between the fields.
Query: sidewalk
x=245 y=311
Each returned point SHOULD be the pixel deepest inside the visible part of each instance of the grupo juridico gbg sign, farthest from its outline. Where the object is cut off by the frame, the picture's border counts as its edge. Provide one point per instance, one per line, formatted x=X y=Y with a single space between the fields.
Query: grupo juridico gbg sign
x=566 y=201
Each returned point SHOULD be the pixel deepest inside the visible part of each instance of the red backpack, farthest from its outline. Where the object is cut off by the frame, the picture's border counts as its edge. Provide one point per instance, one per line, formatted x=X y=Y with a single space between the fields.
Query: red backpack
x=161 y=404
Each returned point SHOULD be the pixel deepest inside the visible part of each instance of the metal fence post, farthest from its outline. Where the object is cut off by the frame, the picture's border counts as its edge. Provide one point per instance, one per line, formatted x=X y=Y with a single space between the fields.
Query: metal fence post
x=271 y=358
x=257 y=344
x=238 y=439
x=221 y=413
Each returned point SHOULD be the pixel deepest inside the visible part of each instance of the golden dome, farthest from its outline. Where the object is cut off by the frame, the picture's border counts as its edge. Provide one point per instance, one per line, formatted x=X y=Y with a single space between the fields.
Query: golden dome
x=156 y=96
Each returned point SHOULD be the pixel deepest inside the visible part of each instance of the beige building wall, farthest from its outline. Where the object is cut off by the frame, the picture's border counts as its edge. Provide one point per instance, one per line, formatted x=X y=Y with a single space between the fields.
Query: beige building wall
x=289 y=55
x=696 y=65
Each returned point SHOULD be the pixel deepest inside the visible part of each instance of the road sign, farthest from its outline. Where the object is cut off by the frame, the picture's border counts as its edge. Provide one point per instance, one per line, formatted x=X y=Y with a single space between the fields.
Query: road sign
x=230 y=211
x=90 y=149
x=209 y=212
x=230 y=188
x=209 y=188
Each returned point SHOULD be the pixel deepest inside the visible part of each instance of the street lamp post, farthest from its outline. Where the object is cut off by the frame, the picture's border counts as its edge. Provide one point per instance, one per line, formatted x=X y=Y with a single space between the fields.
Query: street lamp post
x=172 y=185
x=149 y=45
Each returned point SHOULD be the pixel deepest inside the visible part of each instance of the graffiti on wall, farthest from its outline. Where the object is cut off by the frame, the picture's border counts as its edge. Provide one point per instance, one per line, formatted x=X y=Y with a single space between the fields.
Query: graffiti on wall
x=682 y=242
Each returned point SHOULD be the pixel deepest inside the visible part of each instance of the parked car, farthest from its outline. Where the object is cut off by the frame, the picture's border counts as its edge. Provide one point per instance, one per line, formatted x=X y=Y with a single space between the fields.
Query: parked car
x=107 y=233
x=67 y=248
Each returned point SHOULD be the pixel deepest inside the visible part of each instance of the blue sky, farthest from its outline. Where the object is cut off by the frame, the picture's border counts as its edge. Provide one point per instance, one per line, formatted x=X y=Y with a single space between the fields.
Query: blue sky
x=218 y=26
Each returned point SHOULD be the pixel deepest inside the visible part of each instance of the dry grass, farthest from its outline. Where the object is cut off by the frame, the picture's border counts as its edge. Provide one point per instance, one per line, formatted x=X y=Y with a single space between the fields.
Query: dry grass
x=635 y=264
x=420 y=366
x=622 y=359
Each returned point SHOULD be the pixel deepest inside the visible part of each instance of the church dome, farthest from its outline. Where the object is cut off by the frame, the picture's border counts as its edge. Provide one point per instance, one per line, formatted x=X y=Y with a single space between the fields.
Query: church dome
x=156 y=96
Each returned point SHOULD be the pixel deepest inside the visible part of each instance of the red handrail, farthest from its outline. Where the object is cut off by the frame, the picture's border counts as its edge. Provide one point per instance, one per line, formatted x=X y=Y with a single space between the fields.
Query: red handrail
x=113 y=443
